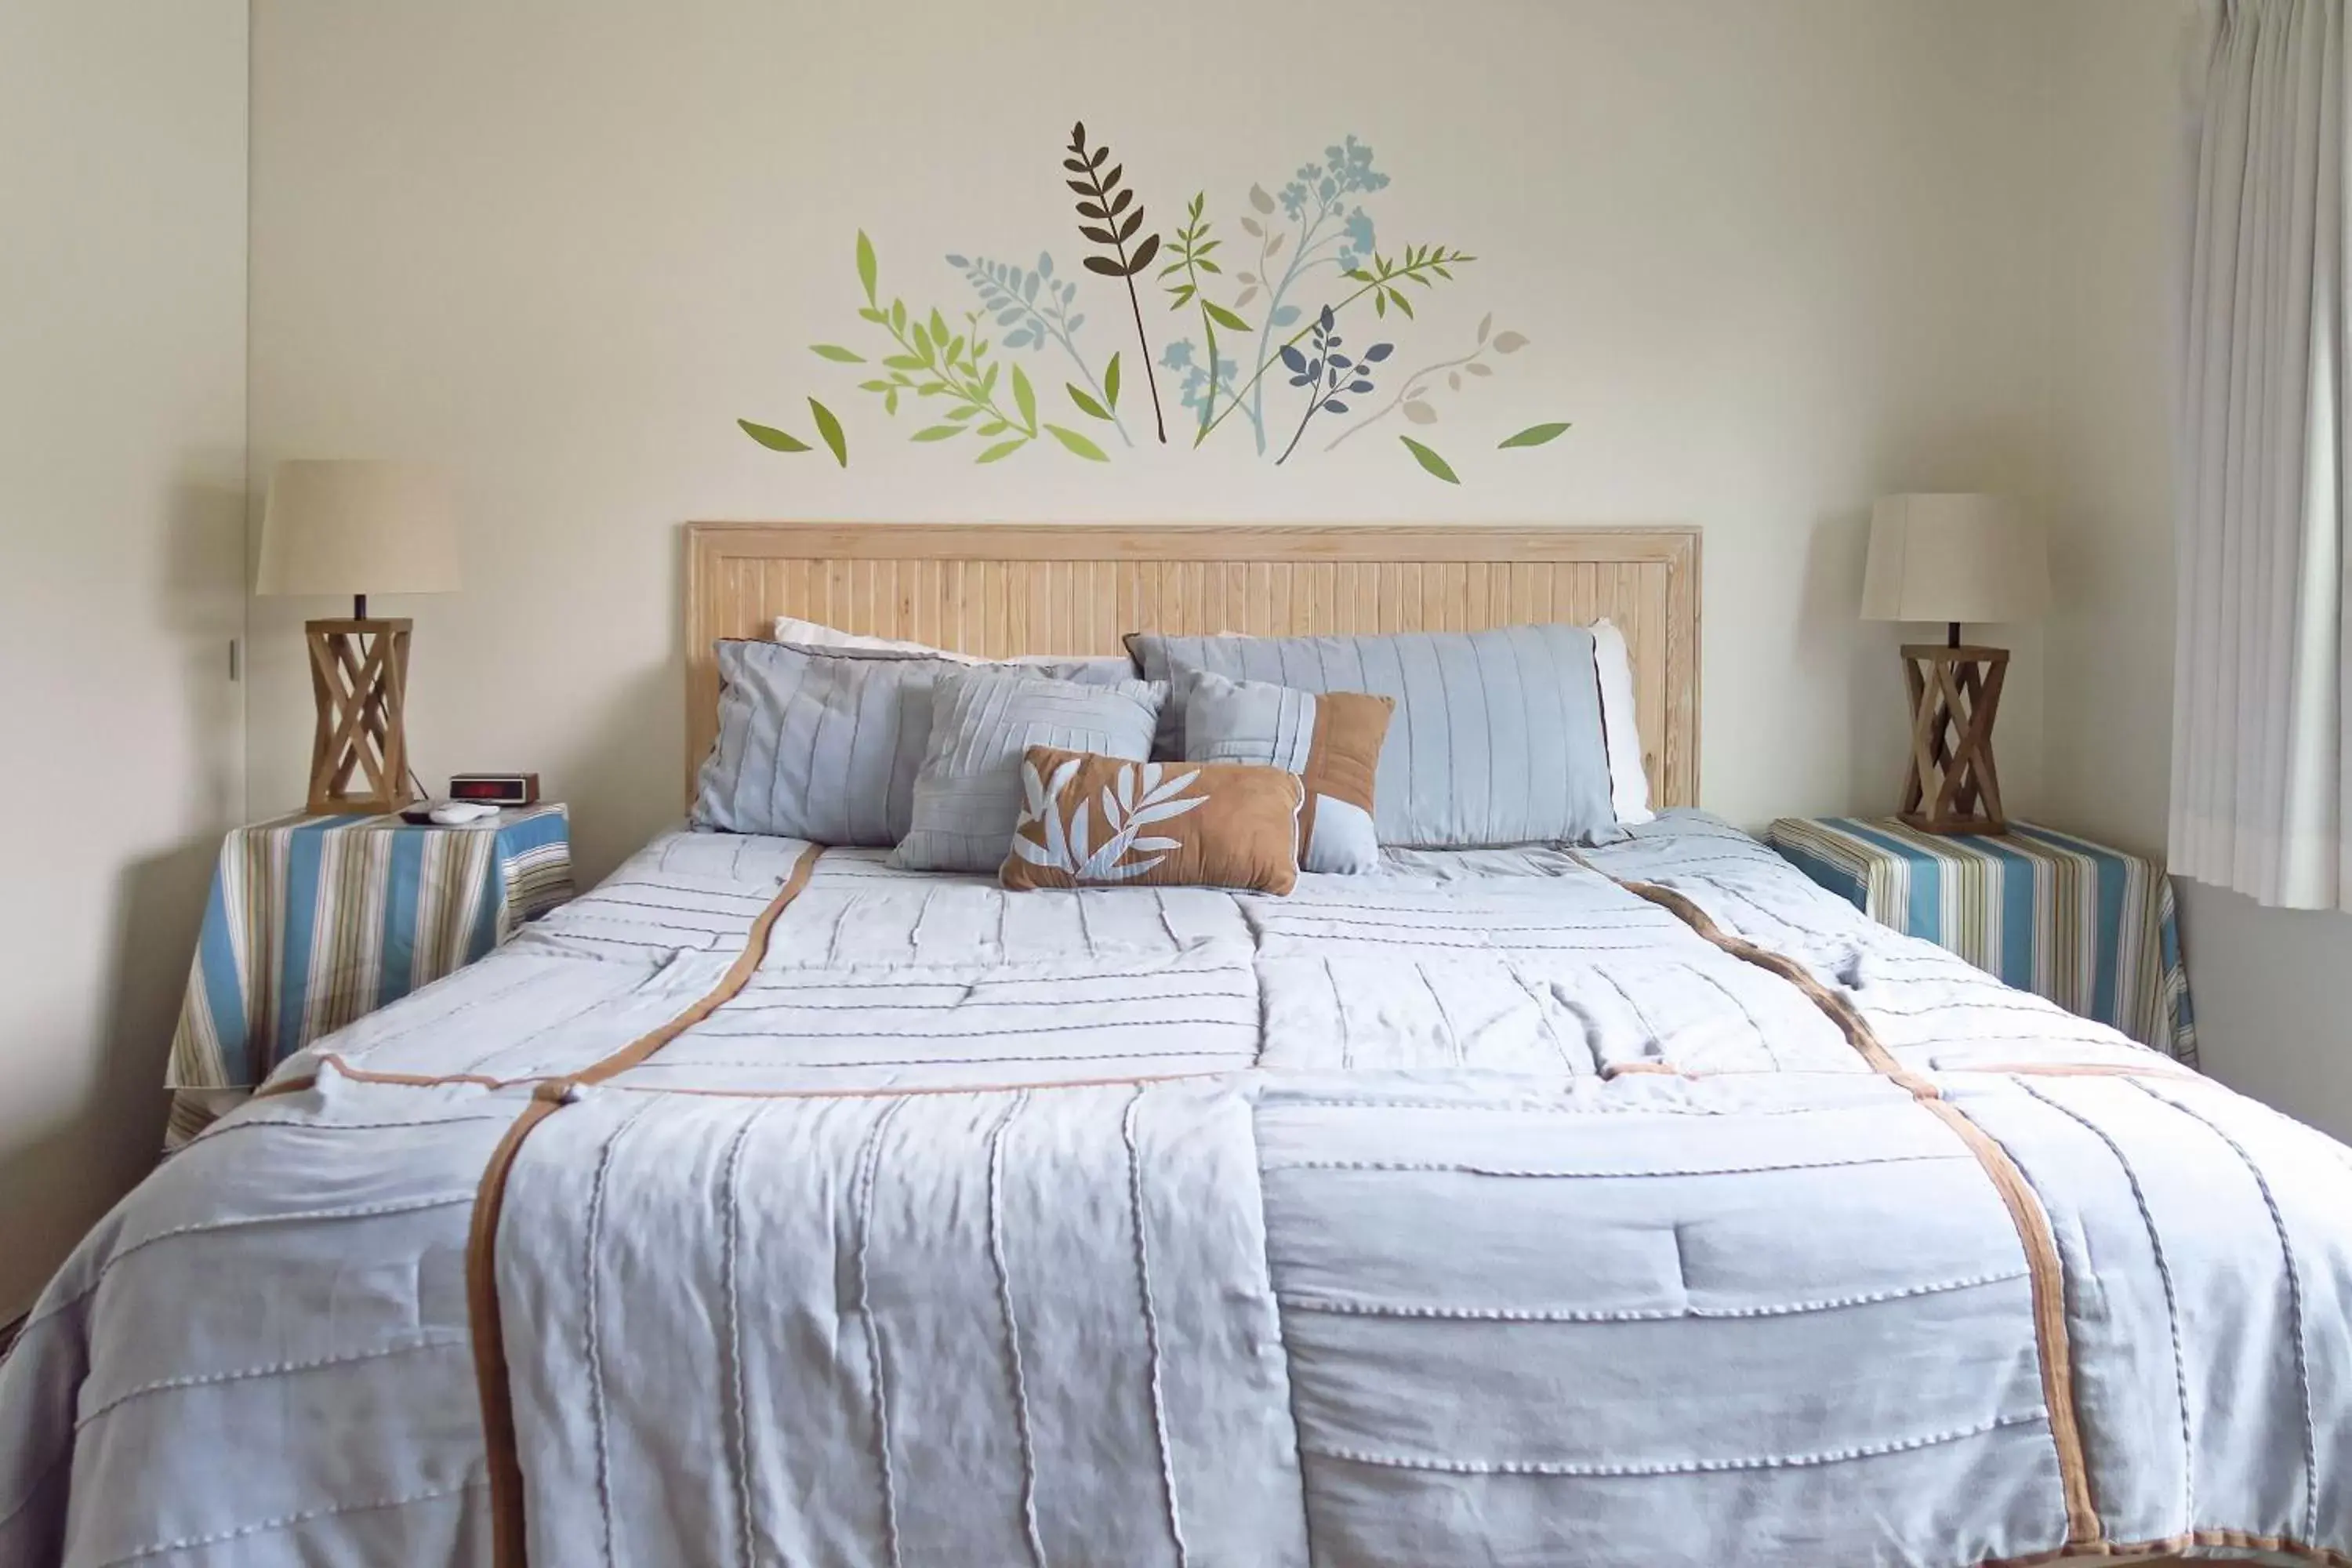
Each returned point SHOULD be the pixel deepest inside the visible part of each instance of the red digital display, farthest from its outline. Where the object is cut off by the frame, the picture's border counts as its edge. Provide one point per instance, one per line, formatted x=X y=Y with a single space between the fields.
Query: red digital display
x=496 y=789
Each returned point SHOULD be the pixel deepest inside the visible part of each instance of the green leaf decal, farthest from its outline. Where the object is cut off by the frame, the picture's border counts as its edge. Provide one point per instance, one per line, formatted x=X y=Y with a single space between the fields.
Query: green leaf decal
x=937 y=432
x=1533 y=436
x=1078 y=443
x=1111 y=381
x=1002 y=449
x=1430 y=460
x=771 y=438
x=1225 y=318
x=837 y=354
x=1025 y=397
x=866 y=272
x=829 y=428
x=1084 y=400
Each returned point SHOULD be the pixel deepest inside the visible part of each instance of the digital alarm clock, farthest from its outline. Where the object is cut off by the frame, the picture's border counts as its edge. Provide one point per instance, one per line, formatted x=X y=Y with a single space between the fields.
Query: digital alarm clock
x=496 y=789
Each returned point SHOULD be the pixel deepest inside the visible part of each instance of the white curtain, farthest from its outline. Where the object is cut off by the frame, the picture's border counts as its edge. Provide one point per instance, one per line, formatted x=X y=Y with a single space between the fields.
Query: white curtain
x=2259 y=769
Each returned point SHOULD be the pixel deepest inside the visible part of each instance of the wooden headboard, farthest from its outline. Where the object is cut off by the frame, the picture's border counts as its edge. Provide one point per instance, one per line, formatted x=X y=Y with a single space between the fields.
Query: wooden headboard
x=997 y=590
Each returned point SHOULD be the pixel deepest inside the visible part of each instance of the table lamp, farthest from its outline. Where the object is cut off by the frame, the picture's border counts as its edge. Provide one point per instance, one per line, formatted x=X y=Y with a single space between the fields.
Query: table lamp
x=1954 y=559
x=359 y=527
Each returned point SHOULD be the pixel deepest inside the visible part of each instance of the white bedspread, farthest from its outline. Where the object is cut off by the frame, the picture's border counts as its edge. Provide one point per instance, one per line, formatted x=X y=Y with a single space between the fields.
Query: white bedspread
x=1482 y=1211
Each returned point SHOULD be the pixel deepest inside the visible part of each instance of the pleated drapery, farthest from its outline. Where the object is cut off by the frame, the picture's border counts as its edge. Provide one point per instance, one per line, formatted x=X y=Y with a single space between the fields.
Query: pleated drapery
x=2259 y=763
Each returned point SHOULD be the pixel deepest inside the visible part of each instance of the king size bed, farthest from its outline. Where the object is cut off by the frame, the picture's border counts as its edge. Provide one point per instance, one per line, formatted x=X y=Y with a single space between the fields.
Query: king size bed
x=1618 y=1200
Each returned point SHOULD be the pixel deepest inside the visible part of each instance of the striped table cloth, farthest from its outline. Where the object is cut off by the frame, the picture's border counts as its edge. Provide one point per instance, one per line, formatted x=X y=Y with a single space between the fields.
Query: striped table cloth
x=314 y=921
x=2090 y=928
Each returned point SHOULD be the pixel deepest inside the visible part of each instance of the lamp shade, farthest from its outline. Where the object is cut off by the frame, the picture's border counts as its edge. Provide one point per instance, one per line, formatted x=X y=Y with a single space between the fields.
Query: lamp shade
x=350 y=525
x=1953 y=558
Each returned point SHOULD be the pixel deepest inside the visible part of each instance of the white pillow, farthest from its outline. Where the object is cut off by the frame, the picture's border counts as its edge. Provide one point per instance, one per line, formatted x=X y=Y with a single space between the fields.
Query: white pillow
x=816 y=633
x=1629 y=787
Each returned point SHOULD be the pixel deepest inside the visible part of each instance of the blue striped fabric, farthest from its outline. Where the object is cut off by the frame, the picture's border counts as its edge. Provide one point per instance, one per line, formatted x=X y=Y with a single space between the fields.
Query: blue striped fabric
x=314 y=921
x=2089 y=927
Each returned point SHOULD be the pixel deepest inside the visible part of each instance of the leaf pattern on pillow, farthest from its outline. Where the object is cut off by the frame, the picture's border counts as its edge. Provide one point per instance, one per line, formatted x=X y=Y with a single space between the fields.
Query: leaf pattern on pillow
x=1143 y=795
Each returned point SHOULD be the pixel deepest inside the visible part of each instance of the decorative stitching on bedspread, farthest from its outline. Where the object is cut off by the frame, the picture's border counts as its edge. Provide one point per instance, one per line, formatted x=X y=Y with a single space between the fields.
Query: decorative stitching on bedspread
x=2294 y=1303
x=739 y=1433
x=1571 y=1470
x=1763 y=1038
x=869 y=1158
x=1013 y=1324
x=1344 y=1307
x=274 y=1369
x=797 y=980
x=287 y=1521
x=1468 y=1168
x=593 y=1345
x=1126 y=1125
x=2171 y=1299
x=242 y=1122
x=1140 y=1000
x=1353 y=938
x=991 y=1033
x=240 y=1222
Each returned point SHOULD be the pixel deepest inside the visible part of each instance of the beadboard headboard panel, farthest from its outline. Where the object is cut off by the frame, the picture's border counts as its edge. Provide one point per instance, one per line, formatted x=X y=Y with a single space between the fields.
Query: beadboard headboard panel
x=997 y=590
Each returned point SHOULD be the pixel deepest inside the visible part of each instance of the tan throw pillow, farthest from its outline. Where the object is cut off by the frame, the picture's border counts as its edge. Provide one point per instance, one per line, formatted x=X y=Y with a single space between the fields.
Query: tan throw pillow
x=1093 y=821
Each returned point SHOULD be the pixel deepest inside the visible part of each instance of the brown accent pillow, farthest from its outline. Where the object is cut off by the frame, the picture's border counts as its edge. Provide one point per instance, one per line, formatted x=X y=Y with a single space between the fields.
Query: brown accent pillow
x=1093 y=821
x=1345 y=754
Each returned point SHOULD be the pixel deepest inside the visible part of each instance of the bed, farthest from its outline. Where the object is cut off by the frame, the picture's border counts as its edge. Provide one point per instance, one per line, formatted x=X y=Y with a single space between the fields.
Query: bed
x=1637 y=1203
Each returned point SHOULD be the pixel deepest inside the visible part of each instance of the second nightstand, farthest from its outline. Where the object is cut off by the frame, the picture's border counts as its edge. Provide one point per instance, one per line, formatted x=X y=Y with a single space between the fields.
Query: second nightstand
x=2089 y=927
x=314 y=921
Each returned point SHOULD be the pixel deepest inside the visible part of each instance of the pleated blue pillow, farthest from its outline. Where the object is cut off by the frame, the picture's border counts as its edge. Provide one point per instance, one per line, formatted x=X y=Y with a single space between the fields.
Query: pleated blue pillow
x=824 y=743
x=967 y=794
x=1497 y=736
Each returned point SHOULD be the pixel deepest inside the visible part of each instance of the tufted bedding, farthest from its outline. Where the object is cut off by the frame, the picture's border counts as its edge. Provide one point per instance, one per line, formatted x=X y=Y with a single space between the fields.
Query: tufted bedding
x=1637 y=1205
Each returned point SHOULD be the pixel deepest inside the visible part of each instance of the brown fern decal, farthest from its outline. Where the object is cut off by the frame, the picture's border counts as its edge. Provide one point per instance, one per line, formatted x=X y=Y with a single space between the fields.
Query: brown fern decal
x=1108 y=215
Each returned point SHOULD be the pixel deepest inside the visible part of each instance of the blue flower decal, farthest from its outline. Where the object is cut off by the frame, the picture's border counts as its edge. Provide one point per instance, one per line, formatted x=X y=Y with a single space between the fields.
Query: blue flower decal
x=1351 y=165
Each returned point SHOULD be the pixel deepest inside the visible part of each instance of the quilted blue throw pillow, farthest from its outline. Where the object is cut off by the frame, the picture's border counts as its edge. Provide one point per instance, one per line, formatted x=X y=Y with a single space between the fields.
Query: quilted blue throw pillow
x=966 y=795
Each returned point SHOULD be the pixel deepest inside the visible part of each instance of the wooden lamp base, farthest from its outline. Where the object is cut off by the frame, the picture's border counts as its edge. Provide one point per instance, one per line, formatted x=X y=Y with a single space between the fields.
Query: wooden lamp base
x=1950 y=784
x=359 y=754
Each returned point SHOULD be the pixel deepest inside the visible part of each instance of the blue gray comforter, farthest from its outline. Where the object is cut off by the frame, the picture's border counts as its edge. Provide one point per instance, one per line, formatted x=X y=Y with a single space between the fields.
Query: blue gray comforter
x=1502 y=1208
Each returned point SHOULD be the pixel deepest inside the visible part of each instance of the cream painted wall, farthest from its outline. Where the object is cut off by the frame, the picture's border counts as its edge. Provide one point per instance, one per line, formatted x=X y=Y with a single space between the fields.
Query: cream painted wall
x=1773 y=258
x=2118 y=151
x=122 y=169
x=2273 y=987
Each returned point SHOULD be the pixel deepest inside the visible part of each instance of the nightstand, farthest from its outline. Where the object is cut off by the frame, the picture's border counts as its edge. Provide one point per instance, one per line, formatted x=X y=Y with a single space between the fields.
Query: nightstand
x=2089 y=927
x=314 y=921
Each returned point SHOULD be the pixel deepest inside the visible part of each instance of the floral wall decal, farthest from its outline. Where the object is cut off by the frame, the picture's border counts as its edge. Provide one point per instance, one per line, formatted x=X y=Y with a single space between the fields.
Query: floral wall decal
x=1036 y=308
x=1192 y=264
x=1250 y=327
x=1329 y=374
x=1106 y=219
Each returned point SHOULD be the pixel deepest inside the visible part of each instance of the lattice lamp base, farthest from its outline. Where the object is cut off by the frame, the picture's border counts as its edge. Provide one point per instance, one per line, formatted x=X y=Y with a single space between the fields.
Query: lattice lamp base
x=359 y=754
x=1950 y=784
